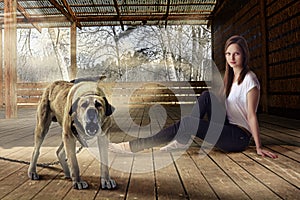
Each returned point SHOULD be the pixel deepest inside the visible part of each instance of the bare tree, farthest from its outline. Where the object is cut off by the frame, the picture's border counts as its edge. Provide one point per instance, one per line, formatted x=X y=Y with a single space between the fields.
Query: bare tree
x=59 y=56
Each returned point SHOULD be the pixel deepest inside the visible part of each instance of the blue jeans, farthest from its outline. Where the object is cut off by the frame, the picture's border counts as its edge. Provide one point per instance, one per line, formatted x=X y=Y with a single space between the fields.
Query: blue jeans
x=214 y=129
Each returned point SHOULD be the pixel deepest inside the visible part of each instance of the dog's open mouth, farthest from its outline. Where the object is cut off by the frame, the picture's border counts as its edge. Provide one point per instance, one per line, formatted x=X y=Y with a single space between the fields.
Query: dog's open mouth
x=92 y=128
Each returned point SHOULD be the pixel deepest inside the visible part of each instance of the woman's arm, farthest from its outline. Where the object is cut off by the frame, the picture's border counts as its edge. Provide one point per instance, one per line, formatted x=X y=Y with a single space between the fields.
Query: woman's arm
x=253 y=99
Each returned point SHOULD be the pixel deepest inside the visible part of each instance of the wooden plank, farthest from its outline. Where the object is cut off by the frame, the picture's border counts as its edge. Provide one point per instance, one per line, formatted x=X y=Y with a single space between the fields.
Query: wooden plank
x=10 y=57
x=283 y=167
x=287 y=139
x=280 y=148
x=280 y=121
x=222 y=184
x=73 y=50
x=287 y=151
x=142 y=182
x=1 y=69
x=37 y=85
x=279 y=128
x=30 y=92
x=121 y=167
x=193 y=179
x=275 y=183
x=156 y=91
x=8 y=168
x=126 y=93
x=192 y=175
x=122 y=177
x=167 y=179
x=60 y=188
x=264 y=48
x=252 y=187
x=25 y=188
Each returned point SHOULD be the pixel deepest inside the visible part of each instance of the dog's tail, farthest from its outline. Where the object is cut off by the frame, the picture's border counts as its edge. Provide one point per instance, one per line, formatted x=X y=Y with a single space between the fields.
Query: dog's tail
x=44 y=105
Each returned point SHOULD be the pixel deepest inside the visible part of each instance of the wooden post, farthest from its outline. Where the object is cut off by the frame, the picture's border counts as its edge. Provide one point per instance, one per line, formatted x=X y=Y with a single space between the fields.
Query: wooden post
x=73 y=68
x=1 y=70
x=10 y=57
x=265 y=74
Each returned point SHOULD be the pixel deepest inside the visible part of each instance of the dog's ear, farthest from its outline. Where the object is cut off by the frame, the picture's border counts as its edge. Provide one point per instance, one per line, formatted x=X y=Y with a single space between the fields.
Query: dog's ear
x=109 y=108
x=74 y=107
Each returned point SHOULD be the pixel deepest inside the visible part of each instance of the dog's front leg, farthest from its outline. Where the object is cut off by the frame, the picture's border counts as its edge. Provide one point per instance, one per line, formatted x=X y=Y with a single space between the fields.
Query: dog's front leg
x=70 y=148
x=106 y=181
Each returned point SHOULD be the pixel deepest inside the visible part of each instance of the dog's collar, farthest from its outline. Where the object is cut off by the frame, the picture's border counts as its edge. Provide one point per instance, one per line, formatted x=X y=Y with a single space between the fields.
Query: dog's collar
x=77 y=135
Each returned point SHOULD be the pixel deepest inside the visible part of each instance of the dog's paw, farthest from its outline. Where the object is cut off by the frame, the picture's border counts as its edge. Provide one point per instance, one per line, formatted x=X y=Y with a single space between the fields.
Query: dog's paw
x=80 y=185
x=33 y=176
x=108 y=183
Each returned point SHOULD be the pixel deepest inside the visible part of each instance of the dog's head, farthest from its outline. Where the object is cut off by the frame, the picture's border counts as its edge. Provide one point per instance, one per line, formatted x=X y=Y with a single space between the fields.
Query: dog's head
x=89 y=113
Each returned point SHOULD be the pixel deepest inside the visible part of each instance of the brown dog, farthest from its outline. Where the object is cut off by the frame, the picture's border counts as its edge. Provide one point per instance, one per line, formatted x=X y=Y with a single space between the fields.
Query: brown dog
x=84 y=113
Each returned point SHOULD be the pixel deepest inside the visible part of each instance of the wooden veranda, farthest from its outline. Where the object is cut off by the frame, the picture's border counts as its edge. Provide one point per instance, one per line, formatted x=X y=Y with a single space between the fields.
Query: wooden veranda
x=196 y=174
x=271 y=28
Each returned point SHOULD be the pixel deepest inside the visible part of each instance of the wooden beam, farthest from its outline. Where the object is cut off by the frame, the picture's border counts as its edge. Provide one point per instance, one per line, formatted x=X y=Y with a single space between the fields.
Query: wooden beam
x=133 y=4
x=72 y=14
x=94 y=18
x=66 y=14
x=265 y=60
x=10 y=57
x=118 y=14
x=1 y=70
x=167 y=13
x=42 y=20
x=27 y=16
x=175 y=17
x=73 y=68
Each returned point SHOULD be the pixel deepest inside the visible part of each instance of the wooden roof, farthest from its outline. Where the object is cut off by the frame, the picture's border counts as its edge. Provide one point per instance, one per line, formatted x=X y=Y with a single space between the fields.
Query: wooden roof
x=61 y=13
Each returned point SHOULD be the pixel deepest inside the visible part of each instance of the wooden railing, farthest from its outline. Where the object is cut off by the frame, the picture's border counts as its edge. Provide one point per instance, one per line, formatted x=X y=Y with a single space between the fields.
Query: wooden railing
x=29 y=94
x=128 y=93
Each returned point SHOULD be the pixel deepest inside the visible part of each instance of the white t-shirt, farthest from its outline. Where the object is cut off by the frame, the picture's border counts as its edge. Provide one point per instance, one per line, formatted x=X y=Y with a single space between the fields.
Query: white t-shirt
x=236 y=102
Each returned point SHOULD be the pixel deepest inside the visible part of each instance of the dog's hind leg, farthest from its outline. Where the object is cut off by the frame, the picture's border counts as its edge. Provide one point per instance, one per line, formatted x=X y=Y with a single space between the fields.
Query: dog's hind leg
x=40 y=133
x=61 y=155
x=41 y=129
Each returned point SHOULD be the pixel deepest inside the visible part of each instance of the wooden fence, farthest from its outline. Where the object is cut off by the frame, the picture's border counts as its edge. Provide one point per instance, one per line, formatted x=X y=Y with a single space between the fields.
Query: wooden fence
x=127 y=93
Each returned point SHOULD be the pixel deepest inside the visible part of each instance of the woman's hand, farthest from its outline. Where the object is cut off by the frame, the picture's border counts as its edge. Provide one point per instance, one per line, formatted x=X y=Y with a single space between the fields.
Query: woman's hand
x=265 y=153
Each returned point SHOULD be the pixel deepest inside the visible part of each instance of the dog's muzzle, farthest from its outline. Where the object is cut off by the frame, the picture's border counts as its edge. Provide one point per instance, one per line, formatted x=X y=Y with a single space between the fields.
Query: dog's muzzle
x=92 y=123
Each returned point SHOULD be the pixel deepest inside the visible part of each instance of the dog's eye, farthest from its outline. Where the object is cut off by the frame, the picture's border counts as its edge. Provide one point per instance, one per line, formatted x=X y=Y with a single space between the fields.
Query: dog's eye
x=97 y=104
x=85 y=105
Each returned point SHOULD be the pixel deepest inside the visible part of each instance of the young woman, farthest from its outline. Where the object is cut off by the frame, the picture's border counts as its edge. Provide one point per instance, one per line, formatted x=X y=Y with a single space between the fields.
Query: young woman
x=241 y=91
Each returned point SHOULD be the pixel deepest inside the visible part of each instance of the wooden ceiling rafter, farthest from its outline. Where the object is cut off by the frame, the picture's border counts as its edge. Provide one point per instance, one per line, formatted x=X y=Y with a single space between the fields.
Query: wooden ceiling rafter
x=65 y=13
x=70 y=11
x=93 y=18
x=118 y=14
x=145 y=4
x=27 y=16
x=167 y=13
x=174 y=17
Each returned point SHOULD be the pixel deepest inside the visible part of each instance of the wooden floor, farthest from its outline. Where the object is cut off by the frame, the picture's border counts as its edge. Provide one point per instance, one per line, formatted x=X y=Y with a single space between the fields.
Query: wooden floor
x=150 y=174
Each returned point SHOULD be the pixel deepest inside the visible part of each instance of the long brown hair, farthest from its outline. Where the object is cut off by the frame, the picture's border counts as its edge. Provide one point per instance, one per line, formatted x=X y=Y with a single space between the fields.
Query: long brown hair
x=229 y=75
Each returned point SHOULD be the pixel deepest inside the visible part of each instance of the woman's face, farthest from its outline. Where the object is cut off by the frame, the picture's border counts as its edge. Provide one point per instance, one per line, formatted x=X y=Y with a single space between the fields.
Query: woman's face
x=234 y=56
